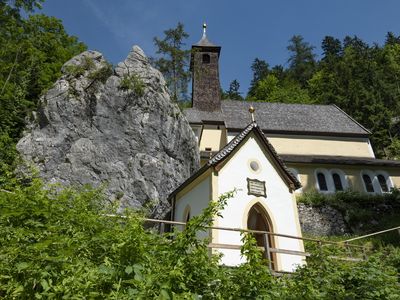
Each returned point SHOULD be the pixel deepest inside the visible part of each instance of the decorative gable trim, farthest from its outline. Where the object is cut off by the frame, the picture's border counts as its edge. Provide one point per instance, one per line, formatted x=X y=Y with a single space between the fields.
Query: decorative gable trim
x=217 y=160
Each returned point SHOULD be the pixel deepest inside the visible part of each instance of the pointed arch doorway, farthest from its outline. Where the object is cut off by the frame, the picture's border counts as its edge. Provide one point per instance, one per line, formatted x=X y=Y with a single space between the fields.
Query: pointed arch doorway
x=258 y=219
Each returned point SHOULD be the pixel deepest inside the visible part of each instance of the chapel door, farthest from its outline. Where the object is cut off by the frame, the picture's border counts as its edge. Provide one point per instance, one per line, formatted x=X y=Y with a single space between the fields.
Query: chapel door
x=258 y=220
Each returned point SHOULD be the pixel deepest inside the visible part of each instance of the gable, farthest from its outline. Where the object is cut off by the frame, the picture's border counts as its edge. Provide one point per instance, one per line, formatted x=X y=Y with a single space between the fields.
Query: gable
x=225 y=153
x=253 y=150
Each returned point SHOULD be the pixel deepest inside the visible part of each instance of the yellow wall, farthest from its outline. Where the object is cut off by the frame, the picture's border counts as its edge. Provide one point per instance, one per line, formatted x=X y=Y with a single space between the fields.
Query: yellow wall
x=353 y=173
x=213 y=136
x=356 y=147
x=318 y=145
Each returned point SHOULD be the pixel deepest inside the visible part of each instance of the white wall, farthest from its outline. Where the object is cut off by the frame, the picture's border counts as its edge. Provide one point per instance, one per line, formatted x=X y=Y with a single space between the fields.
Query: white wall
x=280 y=205
x=197 y=199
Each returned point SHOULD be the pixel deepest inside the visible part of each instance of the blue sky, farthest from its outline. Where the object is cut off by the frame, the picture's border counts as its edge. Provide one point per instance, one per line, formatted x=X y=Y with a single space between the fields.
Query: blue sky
x=244 y=29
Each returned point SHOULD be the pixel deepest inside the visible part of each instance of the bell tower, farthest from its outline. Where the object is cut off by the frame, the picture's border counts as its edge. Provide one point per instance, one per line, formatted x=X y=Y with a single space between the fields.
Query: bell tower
x=206 y=95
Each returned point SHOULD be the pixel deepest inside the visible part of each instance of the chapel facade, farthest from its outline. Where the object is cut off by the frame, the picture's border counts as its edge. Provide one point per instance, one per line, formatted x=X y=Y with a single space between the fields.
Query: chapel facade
x=324 y=147
x=269 y=157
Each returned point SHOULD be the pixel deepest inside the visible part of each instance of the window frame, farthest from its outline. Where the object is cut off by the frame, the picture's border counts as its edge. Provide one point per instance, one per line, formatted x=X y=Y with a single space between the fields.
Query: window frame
x=374 y=182
x=327 y=180
x=388 y=181
x=343 y=179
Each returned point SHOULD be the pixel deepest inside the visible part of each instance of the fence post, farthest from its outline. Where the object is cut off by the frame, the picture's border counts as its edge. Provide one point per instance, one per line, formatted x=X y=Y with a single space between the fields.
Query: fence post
x=348 y=249
x=364 y=253
x=162 y=228
x=267 y=251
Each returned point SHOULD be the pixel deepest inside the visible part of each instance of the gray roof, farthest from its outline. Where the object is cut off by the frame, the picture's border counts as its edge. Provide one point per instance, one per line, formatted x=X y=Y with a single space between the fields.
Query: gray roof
x=282 y=118
x=204 y=42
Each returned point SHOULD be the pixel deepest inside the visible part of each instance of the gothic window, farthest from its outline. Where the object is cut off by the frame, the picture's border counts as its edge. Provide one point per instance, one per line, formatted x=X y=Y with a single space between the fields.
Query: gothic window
x=337 y=181
x=206 y=58
x=383 y=183
x=258 y=219
x=322 y=182
x=369 y=187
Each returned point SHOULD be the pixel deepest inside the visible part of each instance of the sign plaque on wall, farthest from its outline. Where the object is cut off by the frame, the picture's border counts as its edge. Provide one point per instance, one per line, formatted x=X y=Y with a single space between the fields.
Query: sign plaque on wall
x=256 y=187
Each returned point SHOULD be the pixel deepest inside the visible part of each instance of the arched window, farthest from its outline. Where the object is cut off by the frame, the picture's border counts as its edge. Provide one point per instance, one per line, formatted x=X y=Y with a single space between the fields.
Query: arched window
x=322 y=182
x=259 y=220
x=206 y=58
x=369 y=187
x=337 y=181
x=383 y=183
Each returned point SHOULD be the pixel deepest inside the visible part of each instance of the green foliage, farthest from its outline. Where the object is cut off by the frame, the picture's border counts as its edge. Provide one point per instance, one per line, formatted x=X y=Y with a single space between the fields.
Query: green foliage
x=80 y=69
x=362 y=80
x=393 y=150
x=58 y=243
x=16 y=6
x=174 y=61
x=102 y=74
x=270 y=89
x=260 y=70
x=184 y=104
x=33 y=49
x=363 y=213
x=327 y=278
x=233 y=92
x=302 y=60
x=132 y=83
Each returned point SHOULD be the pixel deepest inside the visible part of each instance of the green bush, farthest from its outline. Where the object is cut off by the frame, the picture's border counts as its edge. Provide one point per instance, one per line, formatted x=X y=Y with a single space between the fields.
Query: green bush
x=362 y=212
x=132 y=83
x=78 y=70
x=102 y=74
x=58 y=243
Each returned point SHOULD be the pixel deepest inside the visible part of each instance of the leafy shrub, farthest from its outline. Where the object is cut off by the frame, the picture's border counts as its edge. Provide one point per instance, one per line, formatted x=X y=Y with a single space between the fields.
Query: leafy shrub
x=132 y=83
x=59 y=244
x=362 y=212
x=78 y=70
x=102 y=74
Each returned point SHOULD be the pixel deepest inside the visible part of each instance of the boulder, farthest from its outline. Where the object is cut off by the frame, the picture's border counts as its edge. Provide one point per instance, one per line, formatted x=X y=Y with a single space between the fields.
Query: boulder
x=116 y=128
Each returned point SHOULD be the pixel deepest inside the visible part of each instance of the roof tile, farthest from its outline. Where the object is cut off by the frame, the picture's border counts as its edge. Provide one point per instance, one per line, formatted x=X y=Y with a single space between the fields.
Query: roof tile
x=282 y=117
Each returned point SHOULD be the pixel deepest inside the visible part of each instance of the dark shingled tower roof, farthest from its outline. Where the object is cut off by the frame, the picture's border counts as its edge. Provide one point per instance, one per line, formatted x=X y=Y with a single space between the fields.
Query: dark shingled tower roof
x=282 y=118
x=204 y=42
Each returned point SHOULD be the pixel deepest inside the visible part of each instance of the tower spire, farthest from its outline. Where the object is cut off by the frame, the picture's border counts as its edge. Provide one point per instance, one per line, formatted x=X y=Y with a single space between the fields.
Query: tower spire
x=206 y=95
x=251 y=111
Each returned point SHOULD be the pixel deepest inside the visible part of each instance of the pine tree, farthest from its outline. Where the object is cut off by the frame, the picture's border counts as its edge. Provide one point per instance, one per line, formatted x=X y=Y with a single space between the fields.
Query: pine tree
x=302 y=60
x=233 y=92
x=174 y=61
x=260 y=70
x=331 y=47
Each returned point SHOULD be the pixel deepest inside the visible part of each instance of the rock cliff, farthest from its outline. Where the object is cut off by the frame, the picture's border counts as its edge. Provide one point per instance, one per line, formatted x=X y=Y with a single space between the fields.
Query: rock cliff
x=112 y=127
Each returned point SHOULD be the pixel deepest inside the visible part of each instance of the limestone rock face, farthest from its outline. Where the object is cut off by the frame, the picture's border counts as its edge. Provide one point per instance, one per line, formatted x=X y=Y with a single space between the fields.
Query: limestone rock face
x=116 y=128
